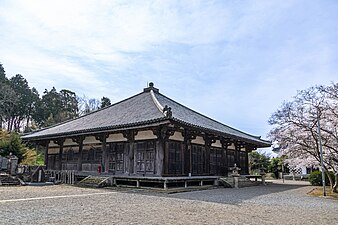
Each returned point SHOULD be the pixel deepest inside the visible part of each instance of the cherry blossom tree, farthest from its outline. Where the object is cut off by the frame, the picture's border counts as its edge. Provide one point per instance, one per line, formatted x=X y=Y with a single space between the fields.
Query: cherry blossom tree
x=296 y=128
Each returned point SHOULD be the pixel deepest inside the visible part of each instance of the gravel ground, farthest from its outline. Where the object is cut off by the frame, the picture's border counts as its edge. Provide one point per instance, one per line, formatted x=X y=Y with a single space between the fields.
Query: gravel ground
x=272 y=204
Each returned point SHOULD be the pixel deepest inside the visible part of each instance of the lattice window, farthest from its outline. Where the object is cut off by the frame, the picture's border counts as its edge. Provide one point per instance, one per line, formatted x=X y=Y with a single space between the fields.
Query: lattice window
x=198 y=159
x=243 y=162
x=215 y=161
x=91 y=154
x=145 y=157
x=175 y=152
x=116 y=156
x=231 y=158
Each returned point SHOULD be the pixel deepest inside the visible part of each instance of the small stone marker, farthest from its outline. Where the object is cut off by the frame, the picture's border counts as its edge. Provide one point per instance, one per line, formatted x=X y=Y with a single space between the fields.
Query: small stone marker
x=235 y=174
x=262 y=173
x=12 y=164
x=3 y=163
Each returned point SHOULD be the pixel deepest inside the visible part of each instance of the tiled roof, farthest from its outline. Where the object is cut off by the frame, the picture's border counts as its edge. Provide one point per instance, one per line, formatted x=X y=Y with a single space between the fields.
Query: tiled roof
x=141 y=109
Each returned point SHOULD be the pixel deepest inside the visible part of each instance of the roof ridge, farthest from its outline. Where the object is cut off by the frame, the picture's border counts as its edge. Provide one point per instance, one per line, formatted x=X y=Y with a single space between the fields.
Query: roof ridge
x=157 y=103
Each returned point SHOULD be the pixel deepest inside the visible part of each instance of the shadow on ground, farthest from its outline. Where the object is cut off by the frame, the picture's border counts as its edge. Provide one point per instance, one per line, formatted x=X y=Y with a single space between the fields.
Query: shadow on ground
x=237 y=196
x=230 y=195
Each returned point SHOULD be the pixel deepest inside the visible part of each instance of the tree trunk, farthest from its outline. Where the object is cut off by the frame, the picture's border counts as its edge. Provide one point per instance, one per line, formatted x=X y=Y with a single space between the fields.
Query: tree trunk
x=27 y=123
x=335 y=186
x=330 y=179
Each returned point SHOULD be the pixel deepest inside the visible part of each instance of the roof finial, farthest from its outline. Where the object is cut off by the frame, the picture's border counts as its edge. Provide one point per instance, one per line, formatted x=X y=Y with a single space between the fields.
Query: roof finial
x=150 y=87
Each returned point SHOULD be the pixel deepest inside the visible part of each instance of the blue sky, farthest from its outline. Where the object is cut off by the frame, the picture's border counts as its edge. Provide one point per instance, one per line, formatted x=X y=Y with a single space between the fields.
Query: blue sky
x=234 y=61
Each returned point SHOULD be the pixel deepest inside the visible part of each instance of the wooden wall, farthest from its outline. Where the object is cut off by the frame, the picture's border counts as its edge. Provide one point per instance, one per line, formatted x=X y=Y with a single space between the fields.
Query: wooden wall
x=174 y=153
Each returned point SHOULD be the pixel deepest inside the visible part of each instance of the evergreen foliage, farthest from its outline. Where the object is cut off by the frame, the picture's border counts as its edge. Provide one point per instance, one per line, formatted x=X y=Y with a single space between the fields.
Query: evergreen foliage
x=23 y=109
x=315 y=178
x=105 y=102
x=258 y=160
x=11 y=143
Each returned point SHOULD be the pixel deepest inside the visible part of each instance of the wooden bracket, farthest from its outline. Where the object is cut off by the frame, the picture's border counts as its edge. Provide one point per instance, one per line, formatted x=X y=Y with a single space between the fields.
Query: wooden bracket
x=78 y=139
x=163 y=132
x=101 y=137
x=130 y=134
x=226 y=142
x=189 y=135
x=209 y=139
x=59 y=141
x=240 y=144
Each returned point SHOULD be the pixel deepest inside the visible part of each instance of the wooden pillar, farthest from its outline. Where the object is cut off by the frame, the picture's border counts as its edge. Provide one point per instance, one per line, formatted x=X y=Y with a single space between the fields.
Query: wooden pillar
x=60 y=155
x=60 y=142
x=134 y=157
x=126 y=158
x=237 y=154
x=238 y=147
x=79 y=141
x=246 y=161
x=189 y=135
x=183 y=158
x=160 y=147
x=189 y=147
x=163 y=133
x=104 y=162
x=208 y=140
x=130 y=135
x=46 y=153
x=226 y=142
x=165 y=162
x=104 y=155
x=225 y=162
x=80 y=156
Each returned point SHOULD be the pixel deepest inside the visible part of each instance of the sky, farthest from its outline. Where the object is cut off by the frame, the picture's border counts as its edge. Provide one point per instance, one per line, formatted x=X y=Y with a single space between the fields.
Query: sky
x=234 y=61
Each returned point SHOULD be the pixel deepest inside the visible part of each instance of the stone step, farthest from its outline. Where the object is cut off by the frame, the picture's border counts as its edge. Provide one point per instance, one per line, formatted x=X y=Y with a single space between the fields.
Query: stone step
x=8 y=180
x=93 y=181
x=242 y=182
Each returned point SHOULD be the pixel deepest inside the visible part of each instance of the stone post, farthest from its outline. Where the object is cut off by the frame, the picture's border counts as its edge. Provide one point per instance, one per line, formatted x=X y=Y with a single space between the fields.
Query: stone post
x=262 y=173
x=13 y=163
x=235 y=174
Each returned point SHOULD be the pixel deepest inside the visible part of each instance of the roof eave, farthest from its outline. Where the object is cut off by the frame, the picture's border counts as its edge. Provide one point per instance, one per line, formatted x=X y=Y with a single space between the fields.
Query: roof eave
x=259 y=143
x=110 y=129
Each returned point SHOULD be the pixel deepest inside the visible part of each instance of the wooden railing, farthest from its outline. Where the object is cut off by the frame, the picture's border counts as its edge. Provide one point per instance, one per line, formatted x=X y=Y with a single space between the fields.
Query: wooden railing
x=63 y=177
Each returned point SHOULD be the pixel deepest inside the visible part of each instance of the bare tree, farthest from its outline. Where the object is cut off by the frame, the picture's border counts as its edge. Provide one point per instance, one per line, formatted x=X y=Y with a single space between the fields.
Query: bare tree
x=87 y=105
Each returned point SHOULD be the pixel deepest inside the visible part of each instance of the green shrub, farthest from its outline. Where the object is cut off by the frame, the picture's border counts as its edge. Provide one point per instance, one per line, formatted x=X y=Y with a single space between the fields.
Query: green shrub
x=315 y=178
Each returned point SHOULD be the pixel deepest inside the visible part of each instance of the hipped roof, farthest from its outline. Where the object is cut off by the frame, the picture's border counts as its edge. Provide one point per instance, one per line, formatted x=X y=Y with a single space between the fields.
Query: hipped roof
x=143 y=109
